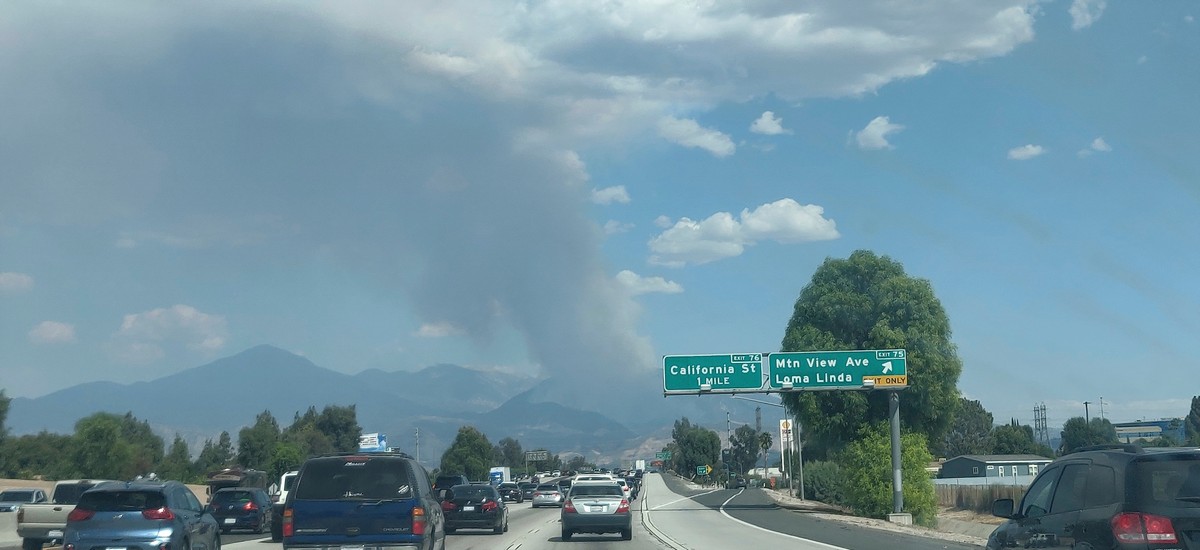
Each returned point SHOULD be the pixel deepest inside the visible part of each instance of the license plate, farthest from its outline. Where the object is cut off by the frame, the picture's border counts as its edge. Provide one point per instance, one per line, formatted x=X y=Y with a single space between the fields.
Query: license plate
x=468 y=508
x=55 y=534
x=115 y=548
x=231 y=520
x=352 y=548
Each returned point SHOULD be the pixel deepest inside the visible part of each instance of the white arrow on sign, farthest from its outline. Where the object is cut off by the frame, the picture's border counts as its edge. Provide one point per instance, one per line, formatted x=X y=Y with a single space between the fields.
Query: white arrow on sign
x=887 y=367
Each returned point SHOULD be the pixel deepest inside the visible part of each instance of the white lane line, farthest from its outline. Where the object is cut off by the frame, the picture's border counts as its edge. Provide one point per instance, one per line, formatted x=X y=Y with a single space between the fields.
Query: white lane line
x=810 y=541
x=685 y=498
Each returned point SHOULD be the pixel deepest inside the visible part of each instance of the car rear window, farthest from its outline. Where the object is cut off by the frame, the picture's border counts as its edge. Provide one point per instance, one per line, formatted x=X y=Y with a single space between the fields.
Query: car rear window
x=16 y=496
x=547 y=487
x=69 y=493
x=357 y=477
x=473 y=491
x=1172 y=482
x=226 y=497
x=122 y=501
x=597 y=491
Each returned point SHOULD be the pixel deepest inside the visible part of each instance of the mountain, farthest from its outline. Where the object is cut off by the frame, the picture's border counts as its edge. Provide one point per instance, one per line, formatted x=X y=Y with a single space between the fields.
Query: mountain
x=227 y=394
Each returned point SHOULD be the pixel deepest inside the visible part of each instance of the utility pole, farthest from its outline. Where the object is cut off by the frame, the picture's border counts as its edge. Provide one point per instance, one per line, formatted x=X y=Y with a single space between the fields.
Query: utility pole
x=1086 y=417
x=417 y=436
x=729 y=457
x=1101 y=407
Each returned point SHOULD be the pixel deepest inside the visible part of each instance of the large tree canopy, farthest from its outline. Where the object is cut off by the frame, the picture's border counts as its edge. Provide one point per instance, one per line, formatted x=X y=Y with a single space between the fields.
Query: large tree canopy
x=1078 y=432
x=867 y=302
x=470 y=454
x=971 y=432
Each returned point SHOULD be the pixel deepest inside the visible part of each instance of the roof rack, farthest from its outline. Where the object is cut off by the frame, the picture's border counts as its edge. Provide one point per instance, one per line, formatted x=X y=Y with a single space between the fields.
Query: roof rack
x=1127 y=447
x=369 y=453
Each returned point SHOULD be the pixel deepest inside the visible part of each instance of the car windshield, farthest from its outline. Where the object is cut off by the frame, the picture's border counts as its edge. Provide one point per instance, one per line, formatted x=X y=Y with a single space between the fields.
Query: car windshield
x=354 y=478
x=1170 y=482
x=122 y=501
x=547 y=487
x=16 y=496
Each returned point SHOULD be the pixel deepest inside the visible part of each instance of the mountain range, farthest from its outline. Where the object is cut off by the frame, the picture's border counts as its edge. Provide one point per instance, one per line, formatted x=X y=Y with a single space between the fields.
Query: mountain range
x=604 y=419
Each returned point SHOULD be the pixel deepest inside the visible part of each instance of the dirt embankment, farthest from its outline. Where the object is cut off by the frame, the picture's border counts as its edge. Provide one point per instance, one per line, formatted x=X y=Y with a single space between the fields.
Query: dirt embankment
x=201 y=491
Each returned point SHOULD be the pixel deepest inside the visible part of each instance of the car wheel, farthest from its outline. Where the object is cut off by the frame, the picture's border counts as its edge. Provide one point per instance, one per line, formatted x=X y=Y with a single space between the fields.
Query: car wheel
x=31 y=544
x=276 y=531
x=450 y=530
x=216 y=545
x=566 y=534
x=627 y=534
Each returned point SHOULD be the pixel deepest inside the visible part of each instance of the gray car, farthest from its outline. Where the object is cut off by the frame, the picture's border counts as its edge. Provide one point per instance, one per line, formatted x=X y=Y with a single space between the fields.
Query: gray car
x=547 y=494
x=12 y=499
x=141 y=516
x=596 y=507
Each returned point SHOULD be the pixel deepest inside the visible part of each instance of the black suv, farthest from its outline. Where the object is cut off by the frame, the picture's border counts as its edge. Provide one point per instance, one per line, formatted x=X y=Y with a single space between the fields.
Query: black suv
x=445 y=481
x=1108 y=496
x=363 y=500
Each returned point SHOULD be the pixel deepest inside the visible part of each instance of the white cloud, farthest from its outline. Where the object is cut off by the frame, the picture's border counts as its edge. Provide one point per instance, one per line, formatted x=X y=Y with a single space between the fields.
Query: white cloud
x=149 y=335
x=722 y=236
x=874 y=135
x=689 y=133
x=663 y=221
x=1098 y=145
x=14 y=282
x=440 y=329
x=612 y=227
x=1189 y=19
x=1025 y=152
x=1086 y=12
x=52 y=332
x=644 y=285
x=769 y=124
x=609 y=195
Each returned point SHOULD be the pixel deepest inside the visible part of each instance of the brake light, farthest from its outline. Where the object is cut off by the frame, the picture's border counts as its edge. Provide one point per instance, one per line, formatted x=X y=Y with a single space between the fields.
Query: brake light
x=289 y=528
x=490 y=505
x=1132 y=527
x=250 y=506
x=418 y=520
x=80 y=514
x=623 y=508
x=569 y=507
x=537 y=493
x=449 y=506
x=158 y=513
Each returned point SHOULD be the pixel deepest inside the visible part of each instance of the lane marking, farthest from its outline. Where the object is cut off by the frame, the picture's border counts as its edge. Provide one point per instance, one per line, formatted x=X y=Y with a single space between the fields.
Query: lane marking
x=816 y=542
x=685 y=498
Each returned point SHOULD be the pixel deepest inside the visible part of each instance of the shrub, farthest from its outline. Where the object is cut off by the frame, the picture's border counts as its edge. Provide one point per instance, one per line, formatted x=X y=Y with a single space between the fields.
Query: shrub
x=867 y=475
x=823 y=482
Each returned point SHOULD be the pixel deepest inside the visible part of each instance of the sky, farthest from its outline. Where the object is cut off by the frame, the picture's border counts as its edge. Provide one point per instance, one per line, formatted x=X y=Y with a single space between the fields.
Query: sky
x=577 y=188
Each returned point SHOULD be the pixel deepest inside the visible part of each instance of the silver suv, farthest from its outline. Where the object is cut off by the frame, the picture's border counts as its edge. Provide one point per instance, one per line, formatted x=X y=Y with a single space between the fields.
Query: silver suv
x=142 y=516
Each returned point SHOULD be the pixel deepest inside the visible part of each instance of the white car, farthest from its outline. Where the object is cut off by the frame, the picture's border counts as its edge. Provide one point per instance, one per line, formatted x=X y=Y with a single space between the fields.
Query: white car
x=625 y=488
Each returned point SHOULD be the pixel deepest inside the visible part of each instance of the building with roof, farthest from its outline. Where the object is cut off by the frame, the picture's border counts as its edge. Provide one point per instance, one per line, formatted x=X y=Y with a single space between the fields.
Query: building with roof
x=991 y=469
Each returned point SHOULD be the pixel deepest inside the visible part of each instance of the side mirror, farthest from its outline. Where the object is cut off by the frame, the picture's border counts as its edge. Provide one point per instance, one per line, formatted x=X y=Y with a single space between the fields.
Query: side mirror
x=1003 y=508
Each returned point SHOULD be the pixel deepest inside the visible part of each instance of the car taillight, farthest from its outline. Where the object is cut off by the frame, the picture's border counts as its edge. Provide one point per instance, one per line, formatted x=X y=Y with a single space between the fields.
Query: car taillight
x=1132 y=527
x=490 y=505
x=288 y=526
x=569 y=507
x=418 y=520
x=449 y=506
x=80 y=514
x=250 y=506
x=623 y=508
x=537 y=494
x=158 y=513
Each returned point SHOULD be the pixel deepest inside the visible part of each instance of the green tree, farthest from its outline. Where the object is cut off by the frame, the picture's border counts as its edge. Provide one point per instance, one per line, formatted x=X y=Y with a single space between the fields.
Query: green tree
x=285 y=458
x=1015 y=439
x=868 y=302
x=578 y=463
x=1078 y=432
x=764 y=445
x=1191 y=423
x=971 y=432
x=44 y=454
x=256 y=444
x=5 y=401
x=98 y=450
x=340 y=424
x=177 y=463
x=508 y=453
x=215 y=456
x=145 y=446
x=744 y=444
x=693 y=446
x=867 y=480
x=470 y=454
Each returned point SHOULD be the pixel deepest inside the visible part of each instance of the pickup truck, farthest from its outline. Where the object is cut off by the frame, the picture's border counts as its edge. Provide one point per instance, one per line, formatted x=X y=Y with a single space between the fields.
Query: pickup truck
x=38 y=524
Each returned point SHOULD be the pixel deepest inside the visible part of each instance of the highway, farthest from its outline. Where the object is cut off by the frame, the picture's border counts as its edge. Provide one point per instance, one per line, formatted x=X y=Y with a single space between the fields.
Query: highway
x=670 y=515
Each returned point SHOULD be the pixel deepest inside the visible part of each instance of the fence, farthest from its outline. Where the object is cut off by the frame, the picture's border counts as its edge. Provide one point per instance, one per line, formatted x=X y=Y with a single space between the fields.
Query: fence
x=976 y=497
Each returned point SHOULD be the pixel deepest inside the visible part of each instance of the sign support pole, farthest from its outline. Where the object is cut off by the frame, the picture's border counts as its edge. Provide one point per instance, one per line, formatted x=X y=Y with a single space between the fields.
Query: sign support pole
x=897 y=479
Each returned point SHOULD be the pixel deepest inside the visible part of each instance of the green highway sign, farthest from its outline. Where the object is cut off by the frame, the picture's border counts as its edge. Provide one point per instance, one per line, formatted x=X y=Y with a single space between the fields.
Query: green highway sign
x=703 y=470
x=693 y=374
x=827 y=370
x=665 y=455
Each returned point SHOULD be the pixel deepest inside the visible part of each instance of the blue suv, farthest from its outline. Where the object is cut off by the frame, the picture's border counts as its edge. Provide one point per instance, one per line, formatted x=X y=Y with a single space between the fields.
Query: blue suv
x=380 y=501
x=141 y=516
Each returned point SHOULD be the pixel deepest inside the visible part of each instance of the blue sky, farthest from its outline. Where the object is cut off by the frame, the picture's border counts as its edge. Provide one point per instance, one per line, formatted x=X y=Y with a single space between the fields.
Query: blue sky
x=577 y=188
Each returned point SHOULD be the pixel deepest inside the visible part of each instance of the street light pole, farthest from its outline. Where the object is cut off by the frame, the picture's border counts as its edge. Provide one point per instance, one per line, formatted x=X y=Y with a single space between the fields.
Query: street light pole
x=796 y=431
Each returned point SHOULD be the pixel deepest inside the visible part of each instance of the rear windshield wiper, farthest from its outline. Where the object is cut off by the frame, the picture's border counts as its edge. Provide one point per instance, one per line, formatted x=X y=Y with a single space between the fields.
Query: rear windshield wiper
x=1188 y=499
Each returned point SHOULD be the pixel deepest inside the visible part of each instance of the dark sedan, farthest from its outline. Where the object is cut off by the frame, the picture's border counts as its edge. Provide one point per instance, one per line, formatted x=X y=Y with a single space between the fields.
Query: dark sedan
x=527 y=490
x=475 y=507
x=511 y=492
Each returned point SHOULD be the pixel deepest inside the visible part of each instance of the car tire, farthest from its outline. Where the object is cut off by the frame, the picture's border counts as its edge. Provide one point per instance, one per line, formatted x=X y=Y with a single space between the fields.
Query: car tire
x=450 y=530
x=216 y=545
x=31 y=544
x=627 y=534
x=276 y=531
x=566 y=534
